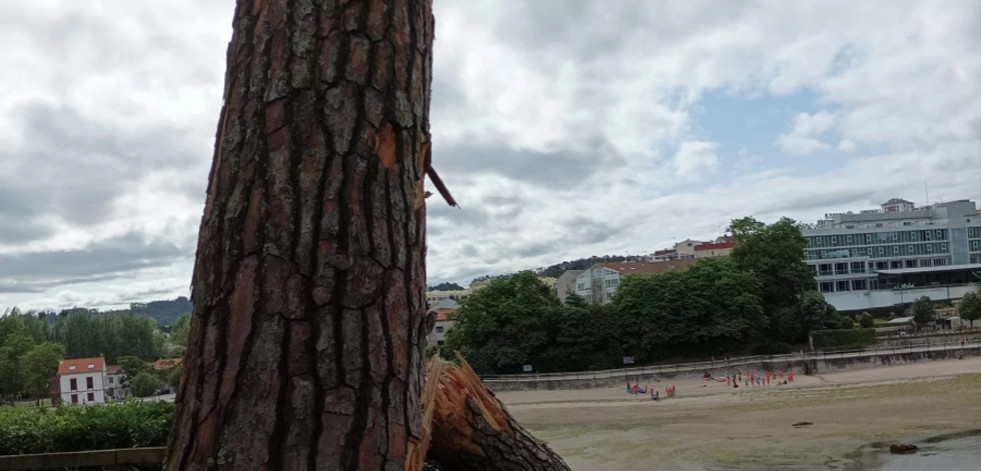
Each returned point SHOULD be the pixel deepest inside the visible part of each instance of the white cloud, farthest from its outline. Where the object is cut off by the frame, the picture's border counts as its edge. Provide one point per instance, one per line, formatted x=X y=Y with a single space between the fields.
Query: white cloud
x=549 y=121
x=695 y=158
x=805 y=137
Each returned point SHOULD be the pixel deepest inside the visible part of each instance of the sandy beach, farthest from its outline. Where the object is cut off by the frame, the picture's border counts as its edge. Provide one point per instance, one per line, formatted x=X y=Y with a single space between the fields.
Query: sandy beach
x=709 y=426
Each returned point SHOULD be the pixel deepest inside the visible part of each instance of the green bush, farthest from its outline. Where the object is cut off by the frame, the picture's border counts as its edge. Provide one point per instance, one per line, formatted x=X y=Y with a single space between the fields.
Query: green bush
x=771 y=348
x=866 y=320
x=843 y=339
x=28 y=430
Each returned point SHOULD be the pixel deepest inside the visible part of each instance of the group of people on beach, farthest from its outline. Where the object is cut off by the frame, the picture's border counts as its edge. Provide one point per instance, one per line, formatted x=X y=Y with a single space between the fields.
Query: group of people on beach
x=655 y=394
x=755 y=379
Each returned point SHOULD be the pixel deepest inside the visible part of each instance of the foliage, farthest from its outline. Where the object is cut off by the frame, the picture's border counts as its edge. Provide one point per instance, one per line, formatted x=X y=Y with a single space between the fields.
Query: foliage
x=145 y=384
x=180 y=330
x=445 y=286
x=843 y=339
x=969 y=308
x=710 y=308
x=165 y=312
x=39 y=364
x=775 y=254
x=504 y=325
x=922 y=310
x=174 y=376
x=866 y=321
x=771 y=348
x=574 y=300
x=27 y=430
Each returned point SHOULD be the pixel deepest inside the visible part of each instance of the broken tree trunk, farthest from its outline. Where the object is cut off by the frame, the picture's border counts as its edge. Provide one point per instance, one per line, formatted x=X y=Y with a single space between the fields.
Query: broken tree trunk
x=471 y=429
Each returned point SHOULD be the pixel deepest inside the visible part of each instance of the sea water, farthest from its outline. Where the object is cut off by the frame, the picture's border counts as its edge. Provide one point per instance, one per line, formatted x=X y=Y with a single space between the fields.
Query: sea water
x=954 y=452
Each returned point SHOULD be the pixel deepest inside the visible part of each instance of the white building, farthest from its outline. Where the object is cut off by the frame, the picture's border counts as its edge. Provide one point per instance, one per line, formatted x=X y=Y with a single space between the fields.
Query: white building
x=82 y=381
x=895 y=254
x=442 y=310
x=600 y=282
x=115 y=391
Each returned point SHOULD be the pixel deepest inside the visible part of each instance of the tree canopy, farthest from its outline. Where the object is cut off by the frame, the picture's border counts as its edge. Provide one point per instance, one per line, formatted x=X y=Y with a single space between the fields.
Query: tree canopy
x=969 y=308
x=775 y=254
x=923 y=312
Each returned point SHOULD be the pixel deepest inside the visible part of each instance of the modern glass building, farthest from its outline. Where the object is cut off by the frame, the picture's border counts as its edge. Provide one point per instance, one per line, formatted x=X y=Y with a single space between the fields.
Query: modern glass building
x=858 y=258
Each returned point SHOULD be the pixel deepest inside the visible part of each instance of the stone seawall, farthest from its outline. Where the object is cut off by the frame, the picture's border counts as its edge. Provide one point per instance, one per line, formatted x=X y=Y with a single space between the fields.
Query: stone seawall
x=829 y=363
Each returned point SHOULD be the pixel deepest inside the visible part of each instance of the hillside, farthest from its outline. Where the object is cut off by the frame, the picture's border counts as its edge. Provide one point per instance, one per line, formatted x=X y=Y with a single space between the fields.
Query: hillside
x=165 y=312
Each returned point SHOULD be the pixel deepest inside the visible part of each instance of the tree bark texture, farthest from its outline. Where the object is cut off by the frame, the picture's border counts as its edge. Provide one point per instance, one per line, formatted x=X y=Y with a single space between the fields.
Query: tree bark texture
x=306 y=349
x=473 y=431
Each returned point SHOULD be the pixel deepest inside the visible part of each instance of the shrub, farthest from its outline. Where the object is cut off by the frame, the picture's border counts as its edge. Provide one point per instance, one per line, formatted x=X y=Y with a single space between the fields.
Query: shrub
x=771 y=348
x=28 y=430
x=866 y=320
x=842 y=339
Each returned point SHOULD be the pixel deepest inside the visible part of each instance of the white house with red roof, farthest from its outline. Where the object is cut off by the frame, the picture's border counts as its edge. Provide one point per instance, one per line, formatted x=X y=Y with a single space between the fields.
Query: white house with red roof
x=82 y=381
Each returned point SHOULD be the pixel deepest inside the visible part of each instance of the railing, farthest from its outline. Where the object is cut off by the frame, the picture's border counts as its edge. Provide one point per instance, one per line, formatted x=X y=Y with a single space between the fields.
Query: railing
x=114 y=459
x=912 y=346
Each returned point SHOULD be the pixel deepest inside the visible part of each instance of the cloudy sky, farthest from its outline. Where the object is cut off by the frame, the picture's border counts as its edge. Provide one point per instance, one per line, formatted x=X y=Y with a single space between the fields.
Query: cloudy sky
x=565 y=128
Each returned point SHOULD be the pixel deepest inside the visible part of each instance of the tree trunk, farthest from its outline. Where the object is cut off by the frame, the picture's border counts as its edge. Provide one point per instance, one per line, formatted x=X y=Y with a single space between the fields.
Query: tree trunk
x=472 y=430
x=307 y=340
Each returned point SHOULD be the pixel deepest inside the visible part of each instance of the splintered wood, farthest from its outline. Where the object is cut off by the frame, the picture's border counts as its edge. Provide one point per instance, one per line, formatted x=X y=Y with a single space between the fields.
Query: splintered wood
x=470 y=429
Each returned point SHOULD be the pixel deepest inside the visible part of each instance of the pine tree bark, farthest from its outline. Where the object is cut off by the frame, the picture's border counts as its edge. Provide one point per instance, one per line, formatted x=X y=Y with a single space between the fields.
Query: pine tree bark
x=307 y=340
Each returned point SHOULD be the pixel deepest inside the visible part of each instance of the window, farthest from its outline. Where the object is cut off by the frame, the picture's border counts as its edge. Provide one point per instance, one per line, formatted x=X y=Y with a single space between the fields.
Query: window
x=895 y=250
x=824 y=269
x=882 y=251
x=842 y=286
x=910 y=263
x=848 y=239
x=858 y=285
x=927 y=235
x=89 y=382
x=943 y=247
x=440 y=342
x=73 y=384
x=827 y=287
x=858 y=267
x=881 y=265
x=74 y=398
x=868 y=238
x=841 y=269
x=439 y=330
x=91 y=397
x=940 y=234
x=110 y=378
x=939 y=262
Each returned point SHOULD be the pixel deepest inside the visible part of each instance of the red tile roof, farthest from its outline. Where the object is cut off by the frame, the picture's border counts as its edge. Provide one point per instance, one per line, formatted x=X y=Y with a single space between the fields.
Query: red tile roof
x=81 y=365
x=114 y=369
x=443 y=314
x=663 y=252
x=166 y=363
x=647 y=268
x=723 y=245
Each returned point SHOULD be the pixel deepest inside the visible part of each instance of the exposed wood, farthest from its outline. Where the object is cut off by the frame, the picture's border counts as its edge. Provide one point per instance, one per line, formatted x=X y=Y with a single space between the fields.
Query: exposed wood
x=418 y=449
x=472 y=430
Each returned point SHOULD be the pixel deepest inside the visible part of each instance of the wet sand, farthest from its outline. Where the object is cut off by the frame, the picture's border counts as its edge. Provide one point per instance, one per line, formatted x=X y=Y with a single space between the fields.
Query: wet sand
x=709 y=426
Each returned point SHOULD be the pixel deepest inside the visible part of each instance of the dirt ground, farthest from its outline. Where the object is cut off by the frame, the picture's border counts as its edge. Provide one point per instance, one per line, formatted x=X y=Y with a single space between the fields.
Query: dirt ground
x=709 y=426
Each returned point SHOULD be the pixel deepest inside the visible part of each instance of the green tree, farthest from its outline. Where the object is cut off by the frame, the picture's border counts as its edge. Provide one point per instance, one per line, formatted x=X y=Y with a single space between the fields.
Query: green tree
x=574 y=300
x=11 y=372
x=775 y=254
x=174 y=376
x=923 y=312
x=969 y=308
x=145 y=384
x=180 y=330
x=39 y=364
x=504 y=325
x=866 y=321
x=712 y=307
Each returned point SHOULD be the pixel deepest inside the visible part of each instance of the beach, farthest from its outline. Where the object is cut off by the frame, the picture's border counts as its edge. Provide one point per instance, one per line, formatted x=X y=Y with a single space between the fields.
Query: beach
x=711 y=426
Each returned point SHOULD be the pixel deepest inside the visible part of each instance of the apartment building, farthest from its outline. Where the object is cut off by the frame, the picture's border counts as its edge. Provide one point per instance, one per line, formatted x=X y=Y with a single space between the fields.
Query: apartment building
x=858 y=258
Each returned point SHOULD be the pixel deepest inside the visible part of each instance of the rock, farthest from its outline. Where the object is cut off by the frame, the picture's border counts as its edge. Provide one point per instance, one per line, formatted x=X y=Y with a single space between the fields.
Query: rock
x=902 y=448
x=802 y=424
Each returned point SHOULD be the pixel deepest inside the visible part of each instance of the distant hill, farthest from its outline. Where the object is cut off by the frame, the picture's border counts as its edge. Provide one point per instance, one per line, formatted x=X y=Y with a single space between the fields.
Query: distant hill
x=558 y=269
x=445 y=287
x=165 y=312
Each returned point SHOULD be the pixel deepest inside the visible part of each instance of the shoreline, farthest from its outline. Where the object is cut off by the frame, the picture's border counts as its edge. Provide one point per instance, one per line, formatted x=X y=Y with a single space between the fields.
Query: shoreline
x=711 y=426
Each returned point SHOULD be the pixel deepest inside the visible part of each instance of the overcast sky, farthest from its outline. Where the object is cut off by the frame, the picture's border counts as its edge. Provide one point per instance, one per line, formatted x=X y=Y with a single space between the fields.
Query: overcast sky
x=564 y=128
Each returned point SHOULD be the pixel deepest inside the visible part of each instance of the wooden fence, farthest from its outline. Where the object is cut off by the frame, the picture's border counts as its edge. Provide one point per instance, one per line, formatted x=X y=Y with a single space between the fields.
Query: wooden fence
x=122 y=459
